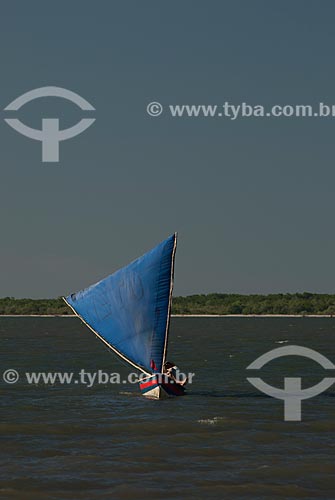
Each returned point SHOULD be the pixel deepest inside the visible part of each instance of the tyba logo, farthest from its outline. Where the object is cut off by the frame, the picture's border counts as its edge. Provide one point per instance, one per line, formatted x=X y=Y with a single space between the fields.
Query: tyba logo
x=50 y=135
x=292 y=394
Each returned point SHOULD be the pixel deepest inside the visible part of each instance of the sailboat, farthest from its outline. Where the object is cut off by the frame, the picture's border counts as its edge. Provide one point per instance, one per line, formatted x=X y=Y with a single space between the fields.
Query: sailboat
x=130 y=312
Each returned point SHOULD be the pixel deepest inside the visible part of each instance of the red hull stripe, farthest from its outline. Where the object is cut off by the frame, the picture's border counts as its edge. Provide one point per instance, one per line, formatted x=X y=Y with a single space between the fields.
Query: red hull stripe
x=150 y=388
x=170 y=388
x=151 y=382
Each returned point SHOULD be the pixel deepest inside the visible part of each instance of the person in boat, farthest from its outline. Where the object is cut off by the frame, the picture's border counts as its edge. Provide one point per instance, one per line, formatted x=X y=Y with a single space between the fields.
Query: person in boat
x=173 y=372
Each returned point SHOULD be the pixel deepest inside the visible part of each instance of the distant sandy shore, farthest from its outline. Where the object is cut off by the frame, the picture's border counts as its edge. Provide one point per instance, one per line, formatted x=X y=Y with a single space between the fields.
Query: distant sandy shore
x=37 y=316
x=183 y=316
x=252 y=316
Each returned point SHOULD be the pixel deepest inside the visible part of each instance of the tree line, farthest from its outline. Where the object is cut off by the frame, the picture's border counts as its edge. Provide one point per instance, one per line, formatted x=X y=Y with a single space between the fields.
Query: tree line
x=214 y=303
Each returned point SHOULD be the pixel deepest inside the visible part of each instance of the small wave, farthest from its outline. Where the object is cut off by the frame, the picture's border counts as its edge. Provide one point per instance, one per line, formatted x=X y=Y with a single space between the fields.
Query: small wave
x=128 y=393
x=209 y=421
x=281 y=341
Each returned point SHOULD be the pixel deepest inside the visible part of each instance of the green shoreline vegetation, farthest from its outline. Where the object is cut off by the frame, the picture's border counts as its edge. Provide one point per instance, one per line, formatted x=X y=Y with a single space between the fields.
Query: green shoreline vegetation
x=215 y=303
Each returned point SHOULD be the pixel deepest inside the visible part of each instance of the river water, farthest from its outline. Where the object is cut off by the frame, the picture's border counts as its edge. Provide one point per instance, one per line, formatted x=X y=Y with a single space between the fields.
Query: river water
x=224 y=439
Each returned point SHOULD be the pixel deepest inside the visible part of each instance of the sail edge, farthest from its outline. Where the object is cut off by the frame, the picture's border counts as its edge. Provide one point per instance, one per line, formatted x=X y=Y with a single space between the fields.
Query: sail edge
x=105 y=341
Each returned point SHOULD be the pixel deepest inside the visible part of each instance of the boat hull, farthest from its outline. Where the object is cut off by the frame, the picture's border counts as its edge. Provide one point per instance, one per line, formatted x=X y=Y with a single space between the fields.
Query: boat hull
x=159 y=386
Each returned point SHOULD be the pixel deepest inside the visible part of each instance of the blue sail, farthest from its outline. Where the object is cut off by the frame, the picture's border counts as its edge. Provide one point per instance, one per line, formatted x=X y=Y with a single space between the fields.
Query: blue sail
x=130 y=309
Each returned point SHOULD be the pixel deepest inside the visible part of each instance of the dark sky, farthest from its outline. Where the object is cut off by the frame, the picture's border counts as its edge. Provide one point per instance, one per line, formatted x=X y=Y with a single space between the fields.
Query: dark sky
x=252 y=199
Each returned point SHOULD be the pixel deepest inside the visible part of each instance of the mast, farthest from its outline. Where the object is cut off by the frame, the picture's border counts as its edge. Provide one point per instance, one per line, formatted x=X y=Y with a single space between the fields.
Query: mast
x=170 y=299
